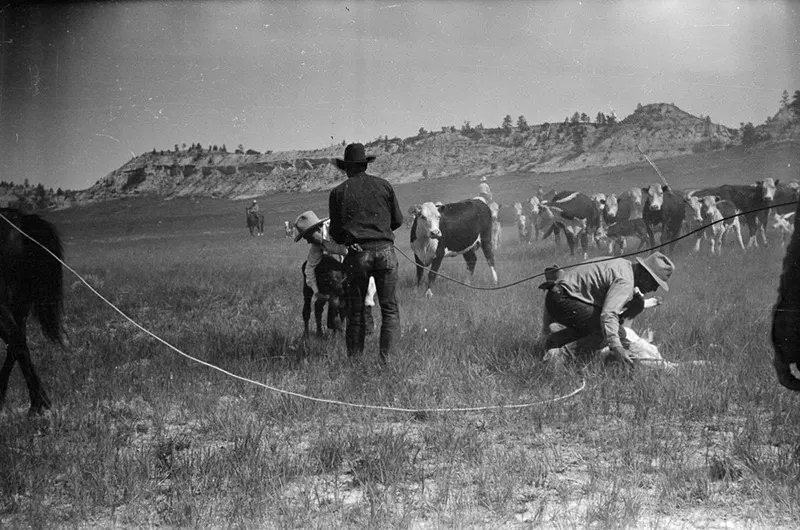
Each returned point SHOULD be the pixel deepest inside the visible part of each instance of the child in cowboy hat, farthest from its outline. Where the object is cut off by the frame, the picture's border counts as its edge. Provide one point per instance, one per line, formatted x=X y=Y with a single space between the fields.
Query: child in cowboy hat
x=315 y=231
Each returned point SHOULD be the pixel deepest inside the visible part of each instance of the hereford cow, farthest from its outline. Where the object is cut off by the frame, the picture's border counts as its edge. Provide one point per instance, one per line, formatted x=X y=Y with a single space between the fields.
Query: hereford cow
x=666 y=208
x=710 y=211
x=449 y=230
x=630 y=204
x=522 y=223
x=577 y=214
x=786 y=315
x=747 y=198
x=781 y=215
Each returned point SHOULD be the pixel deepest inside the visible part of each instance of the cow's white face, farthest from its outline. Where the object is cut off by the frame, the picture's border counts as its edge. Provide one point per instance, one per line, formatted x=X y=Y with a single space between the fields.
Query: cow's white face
x=656 y=195
x=696 y=206
x=518 y=208
x=428 y=221
x=767 y=188
x=709 y=205
x=612 y=205
x=535 y=205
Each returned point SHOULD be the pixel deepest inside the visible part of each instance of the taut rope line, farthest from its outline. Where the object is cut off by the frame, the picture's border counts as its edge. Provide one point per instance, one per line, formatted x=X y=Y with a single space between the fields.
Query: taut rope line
x=628 y=255
x=289 y=392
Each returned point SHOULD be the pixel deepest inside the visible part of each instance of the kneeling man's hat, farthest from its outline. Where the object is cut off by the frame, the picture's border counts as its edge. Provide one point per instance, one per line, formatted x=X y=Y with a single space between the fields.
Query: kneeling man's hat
x=660 y=268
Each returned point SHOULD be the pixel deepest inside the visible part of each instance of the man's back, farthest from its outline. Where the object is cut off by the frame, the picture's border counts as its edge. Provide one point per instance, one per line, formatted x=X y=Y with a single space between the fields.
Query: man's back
x=364 y=208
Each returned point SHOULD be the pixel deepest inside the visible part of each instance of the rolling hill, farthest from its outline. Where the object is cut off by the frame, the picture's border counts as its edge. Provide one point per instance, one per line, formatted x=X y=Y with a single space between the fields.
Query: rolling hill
x=662 y=130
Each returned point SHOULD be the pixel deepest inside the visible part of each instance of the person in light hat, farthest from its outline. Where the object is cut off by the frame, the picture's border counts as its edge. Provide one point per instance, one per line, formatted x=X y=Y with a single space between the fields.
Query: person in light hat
x=589 y=302
x=364 y=215
x=315 y=231
x=253 y=208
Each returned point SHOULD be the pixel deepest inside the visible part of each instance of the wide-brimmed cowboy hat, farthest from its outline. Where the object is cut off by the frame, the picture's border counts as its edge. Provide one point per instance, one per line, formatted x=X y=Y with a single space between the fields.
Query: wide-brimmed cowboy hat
x=306 y=222
x=660 y=268
x=353 y=154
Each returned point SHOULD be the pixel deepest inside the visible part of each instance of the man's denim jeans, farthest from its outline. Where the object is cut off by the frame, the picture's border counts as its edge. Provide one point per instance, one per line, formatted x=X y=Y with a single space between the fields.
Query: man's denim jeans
x=380 y=263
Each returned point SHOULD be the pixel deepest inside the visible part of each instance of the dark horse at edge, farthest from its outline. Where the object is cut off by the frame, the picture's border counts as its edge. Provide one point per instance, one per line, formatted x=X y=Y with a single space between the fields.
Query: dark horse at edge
x=31 y=282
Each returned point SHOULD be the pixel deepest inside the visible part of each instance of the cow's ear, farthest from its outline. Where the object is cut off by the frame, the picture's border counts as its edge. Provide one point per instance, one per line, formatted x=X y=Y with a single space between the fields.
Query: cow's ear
x=440 y=207
x=415 y=210
x=777 y=181
x=717 y=198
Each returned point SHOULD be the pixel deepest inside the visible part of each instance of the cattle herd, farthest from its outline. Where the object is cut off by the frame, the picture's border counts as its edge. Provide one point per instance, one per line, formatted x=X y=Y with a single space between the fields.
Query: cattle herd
x=607 y=220
x=708 y=215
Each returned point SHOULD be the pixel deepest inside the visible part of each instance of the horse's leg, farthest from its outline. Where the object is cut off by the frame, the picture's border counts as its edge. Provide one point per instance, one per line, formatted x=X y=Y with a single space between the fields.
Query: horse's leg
x=5 y=373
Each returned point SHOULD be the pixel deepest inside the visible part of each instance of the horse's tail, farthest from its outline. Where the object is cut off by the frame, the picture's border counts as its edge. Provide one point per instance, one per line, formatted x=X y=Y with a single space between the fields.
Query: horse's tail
x=45 y=274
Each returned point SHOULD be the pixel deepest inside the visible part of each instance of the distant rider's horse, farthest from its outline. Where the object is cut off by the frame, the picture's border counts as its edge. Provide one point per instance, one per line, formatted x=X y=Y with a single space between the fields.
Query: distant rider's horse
x=30 y=282
x=255 y=223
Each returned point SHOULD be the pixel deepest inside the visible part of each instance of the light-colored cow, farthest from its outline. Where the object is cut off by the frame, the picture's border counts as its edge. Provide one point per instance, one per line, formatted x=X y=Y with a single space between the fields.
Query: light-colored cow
x=713 y=210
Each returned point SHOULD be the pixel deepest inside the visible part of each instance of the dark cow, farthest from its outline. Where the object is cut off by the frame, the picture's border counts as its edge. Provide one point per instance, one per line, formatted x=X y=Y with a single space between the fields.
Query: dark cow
x=616 y=233
x=449 y=230
x=666 y=208
x=575 y=213
x=747 y=198
x=331 y=284
x=786 y=315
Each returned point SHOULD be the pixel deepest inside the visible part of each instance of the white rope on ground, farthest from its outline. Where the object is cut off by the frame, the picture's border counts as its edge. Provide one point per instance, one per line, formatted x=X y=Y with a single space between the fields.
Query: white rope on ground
x=289 y=392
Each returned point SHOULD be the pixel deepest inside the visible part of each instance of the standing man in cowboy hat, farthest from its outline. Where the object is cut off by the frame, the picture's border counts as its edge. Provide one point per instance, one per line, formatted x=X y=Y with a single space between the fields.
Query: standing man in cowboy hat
x=364 y=215
x=590 y=302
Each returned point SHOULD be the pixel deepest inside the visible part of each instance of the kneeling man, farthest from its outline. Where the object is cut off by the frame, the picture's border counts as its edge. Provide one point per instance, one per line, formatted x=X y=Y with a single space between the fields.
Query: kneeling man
x=591 y=301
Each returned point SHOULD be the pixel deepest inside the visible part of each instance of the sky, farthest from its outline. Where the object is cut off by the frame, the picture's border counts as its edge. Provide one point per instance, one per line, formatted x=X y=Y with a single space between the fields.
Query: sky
x=86 y=86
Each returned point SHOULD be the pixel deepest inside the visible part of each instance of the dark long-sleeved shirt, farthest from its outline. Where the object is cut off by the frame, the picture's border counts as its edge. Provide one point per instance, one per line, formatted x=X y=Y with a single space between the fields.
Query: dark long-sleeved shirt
x=607 y=285
x=364 y=209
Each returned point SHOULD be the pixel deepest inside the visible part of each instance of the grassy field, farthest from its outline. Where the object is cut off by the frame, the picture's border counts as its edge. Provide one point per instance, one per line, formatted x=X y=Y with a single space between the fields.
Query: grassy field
x=142 y=436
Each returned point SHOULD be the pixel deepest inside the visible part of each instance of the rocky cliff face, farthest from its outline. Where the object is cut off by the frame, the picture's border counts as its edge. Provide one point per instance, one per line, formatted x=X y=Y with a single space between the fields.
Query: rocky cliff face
x=661 y=130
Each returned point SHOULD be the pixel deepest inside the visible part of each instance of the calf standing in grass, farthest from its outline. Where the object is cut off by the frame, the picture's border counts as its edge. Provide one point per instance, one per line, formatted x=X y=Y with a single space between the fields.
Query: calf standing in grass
x=786 y=315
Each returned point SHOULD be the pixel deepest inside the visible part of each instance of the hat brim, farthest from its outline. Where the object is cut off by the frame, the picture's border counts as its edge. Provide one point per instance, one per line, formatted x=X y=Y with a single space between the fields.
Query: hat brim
x=300 y=235
x=344 y=164
x=661 y=283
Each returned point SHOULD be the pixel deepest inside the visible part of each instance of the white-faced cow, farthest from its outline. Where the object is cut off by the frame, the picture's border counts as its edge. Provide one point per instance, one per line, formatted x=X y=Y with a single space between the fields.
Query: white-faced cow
x=747 y=198
x=710 y=211
x=782 y=215
x=630 y=204
x=577 y=214
x=522 y=223
x=664 y=207
x=449 y=230
x=786 y=315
